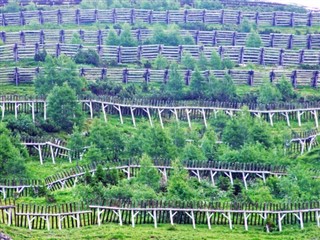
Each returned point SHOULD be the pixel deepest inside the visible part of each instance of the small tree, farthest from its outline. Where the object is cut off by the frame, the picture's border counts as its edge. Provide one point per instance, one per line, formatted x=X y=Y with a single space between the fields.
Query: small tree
x=126 y=38
x=178 y=185
x=175 y=86
x=57 y=71
x=215 y=61
x=161 y=62
x=202 y=62
x=148 y=174
x=188 y=61
x=268 y=94
x=63 y=107
x=286 y=89
x=113 y=38
x=11 y=159
x=253 y=40
x=198 y=84
x=222 y=90
x=76 y=39
x=76 y=143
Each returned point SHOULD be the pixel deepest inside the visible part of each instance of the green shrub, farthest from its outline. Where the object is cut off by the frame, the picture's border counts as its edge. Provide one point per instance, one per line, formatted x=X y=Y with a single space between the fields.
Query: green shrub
x=87 y=57
x=41 y=56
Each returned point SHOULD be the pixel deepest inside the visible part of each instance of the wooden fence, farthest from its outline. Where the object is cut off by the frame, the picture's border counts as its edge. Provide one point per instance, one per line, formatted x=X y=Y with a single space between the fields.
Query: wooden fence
x=207 y=38
x=42 y=2
x=179 y=110
x=75 y=215
x=298 y=77
x=202 y=170
x=32 y=216
x=119 y=54
x=209 y=170
x=132 y=16
x=49 y=148
x=156 y=212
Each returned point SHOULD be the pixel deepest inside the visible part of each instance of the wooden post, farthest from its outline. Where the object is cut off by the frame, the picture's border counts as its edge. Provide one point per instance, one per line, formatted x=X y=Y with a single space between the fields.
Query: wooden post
x=315 y=79
x=280 y=62
x=301 y=57
x=133 y=215
x=290 y=41
x=209 y=219
x=188 y=117
x=280 y=217
x=61 y=36
x=59 y=17
x=52 y=154
x=16 y=52
x=244 y=177
x=45 y=111
x=261 y=57
x=103 y=107
x=222 y=17
x=315 y=115
x=171 y=216
x=160 y=117
x=191 y=215
x=2 y=111
x=309 y=24
x=318 y=218
x=40 y=17
x=147 y=110
x=229 y=175
x=132 y=116
x=271 y=114
x=245 y=218
x=212 y=174
x=228 y=217
x=77 y=16
x=118 y=108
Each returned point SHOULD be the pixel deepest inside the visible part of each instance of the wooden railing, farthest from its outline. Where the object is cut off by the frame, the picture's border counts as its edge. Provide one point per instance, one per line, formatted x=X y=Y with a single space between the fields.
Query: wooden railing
x=207 y=38
x=132 y=16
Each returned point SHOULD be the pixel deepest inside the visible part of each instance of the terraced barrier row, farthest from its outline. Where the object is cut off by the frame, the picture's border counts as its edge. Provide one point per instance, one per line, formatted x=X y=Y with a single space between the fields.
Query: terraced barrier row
x=132 y=16
x=207 y=38
x=118 y=54
x=297 y=77
x=179 y=110
x=75 y=215
x=202 y=170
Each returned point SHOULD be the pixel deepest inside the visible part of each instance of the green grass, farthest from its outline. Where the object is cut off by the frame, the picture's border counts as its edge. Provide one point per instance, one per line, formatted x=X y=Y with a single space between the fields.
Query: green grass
x=113 y=231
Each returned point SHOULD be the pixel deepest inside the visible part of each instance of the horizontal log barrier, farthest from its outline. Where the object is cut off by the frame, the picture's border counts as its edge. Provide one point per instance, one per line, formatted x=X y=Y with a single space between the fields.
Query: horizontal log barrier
x=119 y=54
x=74 y=215
x=206 y=38
x=179 y=110
x=232 y=3
x=42 y=2
x=297 y=77
x=132 y=16
x=304 y=141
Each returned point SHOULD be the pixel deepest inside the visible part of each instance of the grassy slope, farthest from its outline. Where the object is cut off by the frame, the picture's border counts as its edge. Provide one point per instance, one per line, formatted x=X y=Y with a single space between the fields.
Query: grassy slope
x=113 y=231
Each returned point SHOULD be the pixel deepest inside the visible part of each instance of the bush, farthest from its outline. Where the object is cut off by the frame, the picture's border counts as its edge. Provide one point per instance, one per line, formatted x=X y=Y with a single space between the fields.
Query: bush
x=188 y=61
x=253 y=40
x=87 y=57
x=227 y=63
x=41 y=56
x=161 y=62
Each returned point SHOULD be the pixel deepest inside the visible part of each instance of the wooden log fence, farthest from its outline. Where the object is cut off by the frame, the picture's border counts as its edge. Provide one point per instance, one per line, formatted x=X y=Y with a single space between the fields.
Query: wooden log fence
x=297 y=77
x=125 y=212
x=304 y=141
x=31 y=216
x=158 y=212
x=207 y=38
x=42 y=2
x=179 y=110
x=209 y=170
x=50 y=148
x=13 y=188
x=132 y=16
x=119 y=54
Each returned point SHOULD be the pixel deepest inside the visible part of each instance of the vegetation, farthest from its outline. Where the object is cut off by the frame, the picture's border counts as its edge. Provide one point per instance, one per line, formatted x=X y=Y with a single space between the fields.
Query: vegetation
x=238 y=138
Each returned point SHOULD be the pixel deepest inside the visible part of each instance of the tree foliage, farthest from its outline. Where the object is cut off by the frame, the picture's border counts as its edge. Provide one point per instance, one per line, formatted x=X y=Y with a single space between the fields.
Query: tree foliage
x=64 y=108
x=57 y=71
